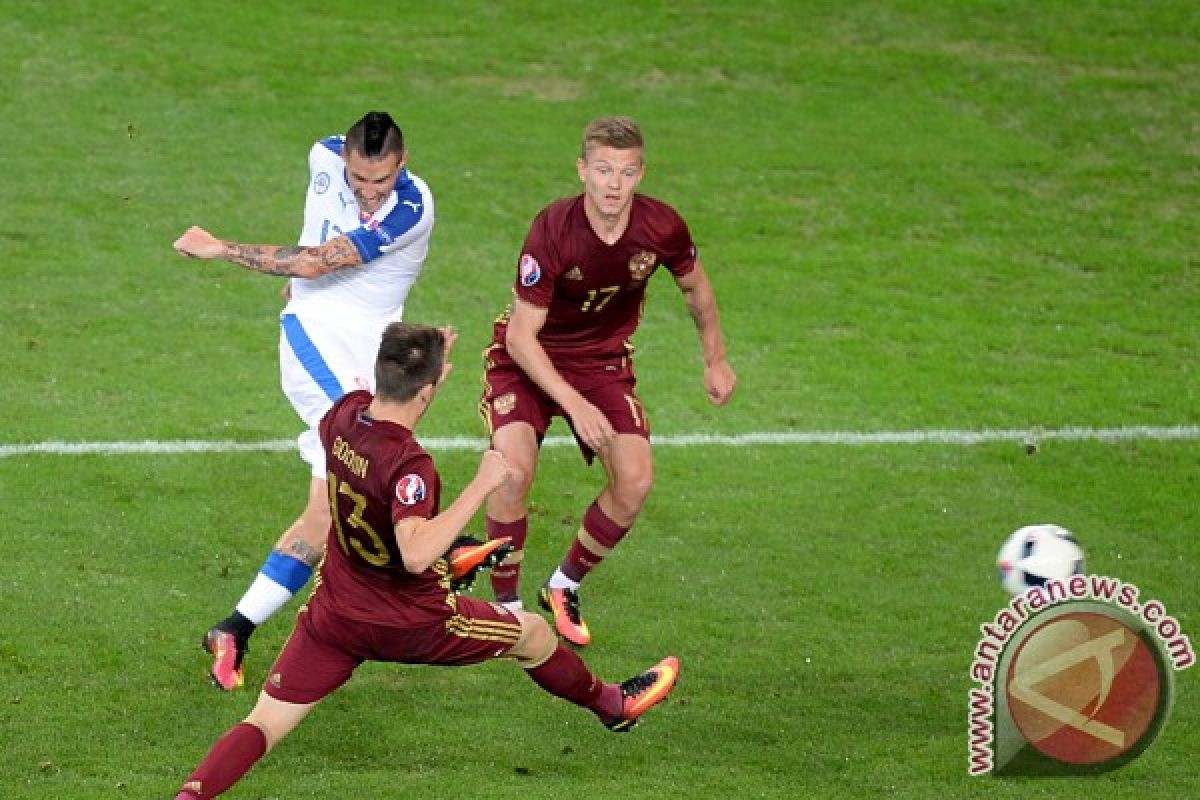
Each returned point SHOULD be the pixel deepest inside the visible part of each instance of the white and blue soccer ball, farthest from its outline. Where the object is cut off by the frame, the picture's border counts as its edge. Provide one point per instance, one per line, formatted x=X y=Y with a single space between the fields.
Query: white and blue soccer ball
x=1038 y=553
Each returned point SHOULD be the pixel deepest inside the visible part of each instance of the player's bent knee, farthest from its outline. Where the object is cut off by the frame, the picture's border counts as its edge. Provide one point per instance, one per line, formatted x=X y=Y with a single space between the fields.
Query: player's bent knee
x=515 y=493
x=537 y=642
x=630 y=494
x=275 y=718
x=638 y=489
x=508 y=502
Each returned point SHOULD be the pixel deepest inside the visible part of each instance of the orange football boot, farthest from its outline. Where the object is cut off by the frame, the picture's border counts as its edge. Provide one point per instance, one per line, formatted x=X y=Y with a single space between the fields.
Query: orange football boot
x=564 y=605
x=227 y=653
x=643 y=692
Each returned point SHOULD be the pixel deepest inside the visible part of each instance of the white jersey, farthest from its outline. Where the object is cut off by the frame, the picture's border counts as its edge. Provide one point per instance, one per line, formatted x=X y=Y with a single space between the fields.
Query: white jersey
x=393 y=242
x=330 y=329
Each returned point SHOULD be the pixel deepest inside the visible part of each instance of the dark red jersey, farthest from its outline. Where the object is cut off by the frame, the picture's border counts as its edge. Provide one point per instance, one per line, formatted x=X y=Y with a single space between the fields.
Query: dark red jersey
x=594 y=291
x=378 y=474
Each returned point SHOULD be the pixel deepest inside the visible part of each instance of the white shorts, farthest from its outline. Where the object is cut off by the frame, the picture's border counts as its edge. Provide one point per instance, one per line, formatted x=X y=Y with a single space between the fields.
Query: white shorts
x=319 y=361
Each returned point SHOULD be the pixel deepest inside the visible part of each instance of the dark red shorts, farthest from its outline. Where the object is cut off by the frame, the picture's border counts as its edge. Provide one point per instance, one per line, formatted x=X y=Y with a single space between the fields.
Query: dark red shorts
x=510 y=396
x=325 y=648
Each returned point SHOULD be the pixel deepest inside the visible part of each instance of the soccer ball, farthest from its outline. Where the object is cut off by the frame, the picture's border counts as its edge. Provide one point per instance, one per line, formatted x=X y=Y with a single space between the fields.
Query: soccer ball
x=1038 y=553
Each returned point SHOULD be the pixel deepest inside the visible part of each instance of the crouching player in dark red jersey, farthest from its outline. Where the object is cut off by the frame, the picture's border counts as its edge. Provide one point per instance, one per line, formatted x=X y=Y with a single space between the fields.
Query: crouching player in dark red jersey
x=562 y=349
x=384 y=591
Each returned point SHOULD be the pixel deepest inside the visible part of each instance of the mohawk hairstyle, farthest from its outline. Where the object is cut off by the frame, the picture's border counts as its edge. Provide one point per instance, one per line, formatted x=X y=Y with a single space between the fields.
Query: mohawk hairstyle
x=375 y=135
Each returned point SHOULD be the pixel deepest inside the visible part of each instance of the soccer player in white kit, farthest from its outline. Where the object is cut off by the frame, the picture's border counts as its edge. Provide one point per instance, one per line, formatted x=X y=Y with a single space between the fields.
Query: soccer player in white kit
x=367 y=224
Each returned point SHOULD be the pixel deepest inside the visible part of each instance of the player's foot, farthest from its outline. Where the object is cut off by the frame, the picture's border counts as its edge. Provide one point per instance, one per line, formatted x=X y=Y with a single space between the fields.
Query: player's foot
x=467 y=556
x=227 y=652
x=564 y=605
x=643 y=692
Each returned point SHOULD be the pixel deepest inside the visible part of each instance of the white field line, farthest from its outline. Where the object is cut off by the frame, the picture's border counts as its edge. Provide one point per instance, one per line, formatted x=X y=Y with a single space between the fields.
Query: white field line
x=945 y=437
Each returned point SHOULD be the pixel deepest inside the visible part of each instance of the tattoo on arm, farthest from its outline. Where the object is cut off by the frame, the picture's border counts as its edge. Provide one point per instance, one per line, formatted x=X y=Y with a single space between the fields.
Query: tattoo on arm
x=297 y=262
x=305 y=552
x=338 y=253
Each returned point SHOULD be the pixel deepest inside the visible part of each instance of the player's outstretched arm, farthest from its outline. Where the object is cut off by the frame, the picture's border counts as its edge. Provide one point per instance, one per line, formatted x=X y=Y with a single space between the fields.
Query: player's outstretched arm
x=289 y=260
x=719 y=377
x=522 y=344
x=424 y=541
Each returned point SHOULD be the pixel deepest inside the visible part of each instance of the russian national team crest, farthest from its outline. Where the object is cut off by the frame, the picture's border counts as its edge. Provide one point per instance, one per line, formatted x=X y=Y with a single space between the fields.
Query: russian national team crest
x=641 y=265
x=410 y=489
x=530 y=270
x=505 y=403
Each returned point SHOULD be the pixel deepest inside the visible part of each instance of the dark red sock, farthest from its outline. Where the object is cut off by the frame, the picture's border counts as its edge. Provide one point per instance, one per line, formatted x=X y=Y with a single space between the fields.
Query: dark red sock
x=597 y=536
x=565 y=675
x=507 y=575
x=230 y=758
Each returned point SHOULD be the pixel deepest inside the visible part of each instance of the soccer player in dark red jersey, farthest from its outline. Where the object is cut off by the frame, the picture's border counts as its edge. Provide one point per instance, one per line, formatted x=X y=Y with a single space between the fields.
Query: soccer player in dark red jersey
x=562 y=349
x=384 y=591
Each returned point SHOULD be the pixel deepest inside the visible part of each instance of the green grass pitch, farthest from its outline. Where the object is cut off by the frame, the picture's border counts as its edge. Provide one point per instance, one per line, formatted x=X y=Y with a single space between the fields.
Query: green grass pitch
x=918 y=216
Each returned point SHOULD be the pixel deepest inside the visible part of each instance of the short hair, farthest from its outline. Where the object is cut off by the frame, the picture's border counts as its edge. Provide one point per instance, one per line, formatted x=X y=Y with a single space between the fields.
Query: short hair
x=410 y=357
x=375 y=135
x=620 y=133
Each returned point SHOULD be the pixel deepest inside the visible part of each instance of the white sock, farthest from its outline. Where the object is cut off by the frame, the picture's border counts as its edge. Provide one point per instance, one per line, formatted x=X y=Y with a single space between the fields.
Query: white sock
x=514 y=605
x=560 y=581
x=262 y=599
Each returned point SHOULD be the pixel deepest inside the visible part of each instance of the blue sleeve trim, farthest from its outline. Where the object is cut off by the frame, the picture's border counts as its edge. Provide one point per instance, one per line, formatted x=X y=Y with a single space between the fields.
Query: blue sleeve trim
x=288 y=571
x=366 y=242
x=409 y=212
x=334 y=144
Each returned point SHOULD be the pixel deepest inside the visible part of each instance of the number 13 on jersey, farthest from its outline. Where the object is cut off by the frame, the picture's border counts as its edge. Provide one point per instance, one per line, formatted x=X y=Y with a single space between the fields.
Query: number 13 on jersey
x=354 y=532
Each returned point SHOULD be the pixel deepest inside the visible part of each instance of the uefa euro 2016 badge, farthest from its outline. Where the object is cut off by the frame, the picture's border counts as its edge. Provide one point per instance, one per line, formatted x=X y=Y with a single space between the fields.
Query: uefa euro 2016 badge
x=321 y=183
x=641 y=265
x=410 y=489
x=530 y=270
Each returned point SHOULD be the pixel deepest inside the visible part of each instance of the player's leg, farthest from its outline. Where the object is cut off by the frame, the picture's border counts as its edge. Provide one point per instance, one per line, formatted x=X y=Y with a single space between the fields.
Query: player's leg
x=314 y=662
x=241 y=747
x=506 y=508
x=560 y=671
x=629 y=466
x=285 y=571
x=516 y=413
x=316 y=363
x=480 y=631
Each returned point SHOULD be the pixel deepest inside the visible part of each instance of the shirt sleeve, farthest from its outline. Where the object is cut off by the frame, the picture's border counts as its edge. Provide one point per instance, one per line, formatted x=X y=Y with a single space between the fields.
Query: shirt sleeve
x=539 y=265
x=407 y=215
x=414 y=489
x=679 y=251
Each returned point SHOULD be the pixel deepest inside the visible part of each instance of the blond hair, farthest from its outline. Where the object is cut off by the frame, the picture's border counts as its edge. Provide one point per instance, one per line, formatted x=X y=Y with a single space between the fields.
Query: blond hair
x=619 y=133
